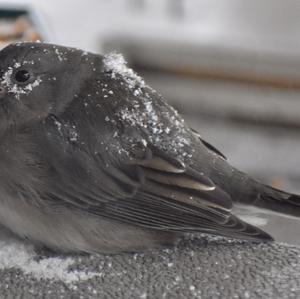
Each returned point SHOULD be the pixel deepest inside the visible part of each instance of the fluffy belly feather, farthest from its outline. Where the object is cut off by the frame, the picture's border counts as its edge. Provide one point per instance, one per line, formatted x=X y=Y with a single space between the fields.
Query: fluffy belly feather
x=67 y=230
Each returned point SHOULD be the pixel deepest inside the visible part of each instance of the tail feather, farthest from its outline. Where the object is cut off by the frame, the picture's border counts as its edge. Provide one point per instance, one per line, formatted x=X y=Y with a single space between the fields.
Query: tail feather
x=278 y=201
x=294 y=199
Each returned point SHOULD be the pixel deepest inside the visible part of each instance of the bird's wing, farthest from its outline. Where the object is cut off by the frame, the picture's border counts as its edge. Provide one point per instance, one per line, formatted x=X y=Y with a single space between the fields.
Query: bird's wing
x=157 y=192
x=173 y=197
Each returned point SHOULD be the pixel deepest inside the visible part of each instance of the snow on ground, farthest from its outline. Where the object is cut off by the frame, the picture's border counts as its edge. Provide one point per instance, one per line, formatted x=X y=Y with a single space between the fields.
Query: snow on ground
x=17 y=254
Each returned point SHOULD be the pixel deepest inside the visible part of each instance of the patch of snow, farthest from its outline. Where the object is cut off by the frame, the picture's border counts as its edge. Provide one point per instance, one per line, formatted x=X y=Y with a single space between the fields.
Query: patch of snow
x=165 y=129
x=159 y=122
x=116 y=64
x=15 y=254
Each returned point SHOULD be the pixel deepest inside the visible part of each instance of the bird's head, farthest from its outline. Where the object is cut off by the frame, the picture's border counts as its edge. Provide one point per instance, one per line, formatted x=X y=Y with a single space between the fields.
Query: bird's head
x=38 y=79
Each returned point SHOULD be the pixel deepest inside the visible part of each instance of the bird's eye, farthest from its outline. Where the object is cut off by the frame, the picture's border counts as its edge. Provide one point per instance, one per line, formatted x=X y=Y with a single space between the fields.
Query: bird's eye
x=22 y=76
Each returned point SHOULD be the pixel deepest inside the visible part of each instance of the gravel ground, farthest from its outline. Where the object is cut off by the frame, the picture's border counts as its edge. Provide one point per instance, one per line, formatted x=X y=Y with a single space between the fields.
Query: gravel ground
x=199 y=267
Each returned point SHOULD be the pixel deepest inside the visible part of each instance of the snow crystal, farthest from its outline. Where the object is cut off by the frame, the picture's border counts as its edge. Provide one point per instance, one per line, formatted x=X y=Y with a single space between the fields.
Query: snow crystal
x=136 y=92
x=59 y=54
x=73 y=134
x=15 y=254
x=58 y=124
x=144 y=142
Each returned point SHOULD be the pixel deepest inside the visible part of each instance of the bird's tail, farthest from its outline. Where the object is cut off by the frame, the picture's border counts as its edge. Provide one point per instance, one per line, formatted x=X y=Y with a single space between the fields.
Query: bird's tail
x=278 y=201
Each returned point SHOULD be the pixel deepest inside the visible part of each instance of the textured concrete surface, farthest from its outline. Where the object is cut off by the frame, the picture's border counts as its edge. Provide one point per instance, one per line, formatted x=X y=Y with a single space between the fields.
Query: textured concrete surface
x=202 y=267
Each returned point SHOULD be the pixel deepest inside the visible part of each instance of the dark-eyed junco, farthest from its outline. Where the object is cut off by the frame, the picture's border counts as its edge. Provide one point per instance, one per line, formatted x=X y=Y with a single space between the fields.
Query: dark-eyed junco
x=94 y=160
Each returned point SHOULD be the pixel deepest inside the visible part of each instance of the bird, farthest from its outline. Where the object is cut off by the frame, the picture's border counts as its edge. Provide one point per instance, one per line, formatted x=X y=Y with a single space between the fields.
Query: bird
x=94 y=160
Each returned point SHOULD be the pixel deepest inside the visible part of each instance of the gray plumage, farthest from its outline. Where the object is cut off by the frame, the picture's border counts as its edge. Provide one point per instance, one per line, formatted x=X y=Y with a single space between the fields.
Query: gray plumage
x=92 y=159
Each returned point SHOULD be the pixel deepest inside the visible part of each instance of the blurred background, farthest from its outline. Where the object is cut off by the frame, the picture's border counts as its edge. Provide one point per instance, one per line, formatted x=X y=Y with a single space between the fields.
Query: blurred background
x=231 y=67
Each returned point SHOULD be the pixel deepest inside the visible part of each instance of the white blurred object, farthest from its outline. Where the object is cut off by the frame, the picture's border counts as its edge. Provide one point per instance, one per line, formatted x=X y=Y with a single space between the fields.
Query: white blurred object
x=269 y=25
x=222 y=58
x=257 y=38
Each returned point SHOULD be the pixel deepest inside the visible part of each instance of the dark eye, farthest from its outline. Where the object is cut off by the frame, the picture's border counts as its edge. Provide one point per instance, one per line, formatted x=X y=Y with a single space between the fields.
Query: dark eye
x=22 y=76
